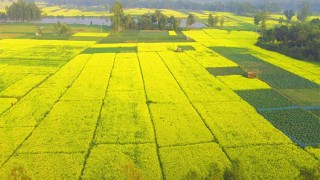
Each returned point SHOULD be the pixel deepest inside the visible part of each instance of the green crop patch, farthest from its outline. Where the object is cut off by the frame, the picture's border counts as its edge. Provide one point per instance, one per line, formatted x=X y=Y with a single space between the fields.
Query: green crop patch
x=43 y=166
x=124 y=122
x=178 y=124
x=316 y=113
x=11 y=138
x=299 y=125
x=276 y=77
x=110 y=50
x=304 y=97
x=238 y=124
x=225 y=71
x=187 y=48
x=123 y=162
x=265 y=98
x=272 y=162
x=70 y=123
x=134 y=36
x=182 y=162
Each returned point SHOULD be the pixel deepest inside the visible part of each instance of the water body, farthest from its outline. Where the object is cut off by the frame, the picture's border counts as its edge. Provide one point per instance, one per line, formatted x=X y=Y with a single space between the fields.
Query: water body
x=72 y=20
x=100 y=21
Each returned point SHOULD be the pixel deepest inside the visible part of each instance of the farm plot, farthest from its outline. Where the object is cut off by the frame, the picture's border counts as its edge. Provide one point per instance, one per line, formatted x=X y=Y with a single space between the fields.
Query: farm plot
x=160 y=86
x=6 y=103
x=301 y=126
x=34 y=106
x=70 y=123
x=277 y=78
x=238 y=124
x=125 y=103
x=92 y=82
x=35 y=62
x=123 y=161
x=186 y=165
x=194 y=79
x=272 y=162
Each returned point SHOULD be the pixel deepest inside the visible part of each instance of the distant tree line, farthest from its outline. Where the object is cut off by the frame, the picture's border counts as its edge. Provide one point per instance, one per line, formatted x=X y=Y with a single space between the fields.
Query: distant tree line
x=148 y=21
x=21 y=11
x=237 y=6
x=300 y=39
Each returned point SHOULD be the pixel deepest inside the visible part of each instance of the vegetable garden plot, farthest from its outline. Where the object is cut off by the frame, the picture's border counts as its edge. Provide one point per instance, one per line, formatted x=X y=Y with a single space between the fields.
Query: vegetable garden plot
x=276 y=77
x=202 y=161
x=273 y=162
x=316 y=113
x=123 y=161
x=299 y=125
x=43 y=166
x=265 y=98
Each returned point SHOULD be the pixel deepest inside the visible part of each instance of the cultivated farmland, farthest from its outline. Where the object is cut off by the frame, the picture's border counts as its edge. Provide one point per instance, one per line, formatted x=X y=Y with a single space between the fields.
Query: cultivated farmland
x=130 y=106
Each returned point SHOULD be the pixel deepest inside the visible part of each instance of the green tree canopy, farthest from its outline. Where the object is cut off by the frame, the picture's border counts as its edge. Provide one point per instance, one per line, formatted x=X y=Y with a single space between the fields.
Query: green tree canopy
x=190 y=20
x=23 y=11
x=289 y=14
x=118 y=16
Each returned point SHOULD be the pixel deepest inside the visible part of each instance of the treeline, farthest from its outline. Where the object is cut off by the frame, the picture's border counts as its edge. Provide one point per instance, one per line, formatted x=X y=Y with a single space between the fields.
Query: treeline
x=236 y=6
x=148 y=21
x=299 y=39
x=21 y=11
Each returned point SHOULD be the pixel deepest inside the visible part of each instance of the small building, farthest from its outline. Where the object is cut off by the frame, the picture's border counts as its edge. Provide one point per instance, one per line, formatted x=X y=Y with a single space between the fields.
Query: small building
x=252 y=74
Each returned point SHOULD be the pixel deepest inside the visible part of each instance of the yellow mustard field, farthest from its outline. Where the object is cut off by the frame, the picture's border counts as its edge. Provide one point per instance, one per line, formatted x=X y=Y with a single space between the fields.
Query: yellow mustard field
x=86 y=110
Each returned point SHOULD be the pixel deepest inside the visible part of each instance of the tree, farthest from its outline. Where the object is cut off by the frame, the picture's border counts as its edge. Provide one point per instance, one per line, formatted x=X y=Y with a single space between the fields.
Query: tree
x=129 y=22
x=23 y=11
x=158 y=15
x=61 y=29
x=259 y=17
x=304 y=12
x=221 y=21
x=210 y=20
x=173 y=23
x=3 y=16
x=289 y=14
x=118 y=16
x=190 y=20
